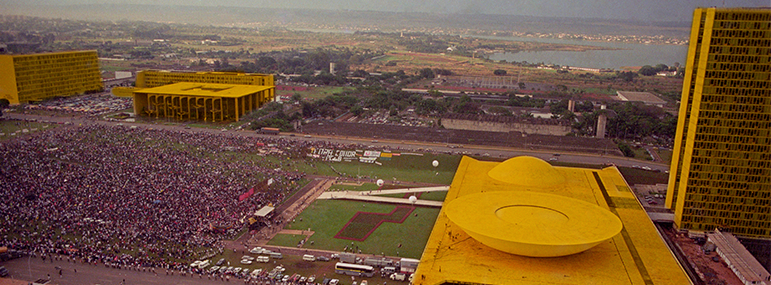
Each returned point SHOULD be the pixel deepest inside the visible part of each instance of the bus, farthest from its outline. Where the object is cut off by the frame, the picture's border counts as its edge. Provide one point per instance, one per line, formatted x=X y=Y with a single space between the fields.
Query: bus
x=354 y=269
x=268 y=131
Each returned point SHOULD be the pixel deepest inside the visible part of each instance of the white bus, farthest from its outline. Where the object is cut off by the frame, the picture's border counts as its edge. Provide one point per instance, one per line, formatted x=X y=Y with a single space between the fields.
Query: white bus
x=354 y=269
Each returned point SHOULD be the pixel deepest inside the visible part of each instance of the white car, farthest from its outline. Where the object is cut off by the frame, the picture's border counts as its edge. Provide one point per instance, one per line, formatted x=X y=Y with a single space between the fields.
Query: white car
x=256 y=250
x=334 y=282
x=247 y=257
x=246 y=261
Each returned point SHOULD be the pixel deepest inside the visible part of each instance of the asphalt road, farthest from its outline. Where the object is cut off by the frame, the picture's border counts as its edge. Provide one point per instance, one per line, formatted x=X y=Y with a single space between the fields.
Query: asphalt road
x=33 y=268
x=473 y=150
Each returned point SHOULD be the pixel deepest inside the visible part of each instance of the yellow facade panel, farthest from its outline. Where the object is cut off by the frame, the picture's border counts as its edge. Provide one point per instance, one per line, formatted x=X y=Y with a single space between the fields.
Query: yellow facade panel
x=201 y=101
x=720 y=174
x=35 y=77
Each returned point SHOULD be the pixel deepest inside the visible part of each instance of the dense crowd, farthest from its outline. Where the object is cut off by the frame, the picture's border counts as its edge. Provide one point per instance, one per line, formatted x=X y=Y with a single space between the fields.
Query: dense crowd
x=134 y=196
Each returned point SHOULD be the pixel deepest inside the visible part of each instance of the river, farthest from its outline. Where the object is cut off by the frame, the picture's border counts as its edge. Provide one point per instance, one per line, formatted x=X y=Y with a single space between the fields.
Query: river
x=624 y=54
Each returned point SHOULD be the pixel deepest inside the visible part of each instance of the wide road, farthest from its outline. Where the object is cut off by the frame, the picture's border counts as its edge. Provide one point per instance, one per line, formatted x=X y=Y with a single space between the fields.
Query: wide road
x=75 y=273
x=395 y=145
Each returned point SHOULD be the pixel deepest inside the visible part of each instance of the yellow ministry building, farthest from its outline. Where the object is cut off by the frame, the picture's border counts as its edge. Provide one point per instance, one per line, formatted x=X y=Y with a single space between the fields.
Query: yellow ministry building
x=204 y=96
x=721 y=163
x=200 y=101
x=155 y=78
x=35 y=77
x=523 y=221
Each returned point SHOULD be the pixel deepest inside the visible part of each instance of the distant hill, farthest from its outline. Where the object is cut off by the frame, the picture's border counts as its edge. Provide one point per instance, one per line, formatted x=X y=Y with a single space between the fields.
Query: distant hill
x=349 y=19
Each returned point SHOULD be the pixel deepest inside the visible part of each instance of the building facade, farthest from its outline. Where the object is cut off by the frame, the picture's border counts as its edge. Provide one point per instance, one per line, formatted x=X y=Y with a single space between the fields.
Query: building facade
x=35 y=77
x=201 y=101
x=721 y=164
x=155 y=78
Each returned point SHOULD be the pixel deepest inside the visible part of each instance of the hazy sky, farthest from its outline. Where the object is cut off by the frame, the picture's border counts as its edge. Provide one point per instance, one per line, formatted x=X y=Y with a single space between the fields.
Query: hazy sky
x=647 y=10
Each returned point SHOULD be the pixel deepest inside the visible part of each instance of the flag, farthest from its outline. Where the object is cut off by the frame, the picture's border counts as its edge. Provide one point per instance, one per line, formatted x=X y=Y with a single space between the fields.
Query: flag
x=246 y=194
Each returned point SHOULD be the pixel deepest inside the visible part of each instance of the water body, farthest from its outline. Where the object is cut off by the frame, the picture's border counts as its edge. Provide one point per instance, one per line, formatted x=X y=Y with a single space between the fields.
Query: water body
x=626 y=54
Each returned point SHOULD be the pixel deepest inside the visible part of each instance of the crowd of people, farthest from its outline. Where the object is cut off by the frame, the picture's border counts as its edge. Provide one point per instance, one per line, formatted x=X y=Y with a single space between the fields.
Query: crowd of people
x=133 y=196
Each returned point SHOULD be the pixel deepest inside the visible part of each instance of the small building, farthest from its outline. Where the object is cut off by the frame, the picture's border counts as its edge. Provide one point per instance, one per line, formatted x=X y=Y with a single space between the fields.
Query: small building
x=646 y=98
x=201 y=101
x=741 y=261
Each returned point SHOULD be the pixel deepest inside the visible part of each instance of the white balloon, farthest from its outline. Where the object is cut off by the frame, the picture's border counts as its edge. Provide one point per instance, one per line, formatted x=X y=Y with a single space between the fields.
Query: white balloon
x=380 y=182
x=435 y=163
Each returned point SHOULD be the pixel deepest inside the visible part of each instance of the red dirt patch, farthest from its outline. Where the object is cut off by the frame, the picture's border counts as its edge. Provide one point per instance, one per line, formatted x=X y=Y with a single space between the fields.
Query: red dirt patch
x=364 y=224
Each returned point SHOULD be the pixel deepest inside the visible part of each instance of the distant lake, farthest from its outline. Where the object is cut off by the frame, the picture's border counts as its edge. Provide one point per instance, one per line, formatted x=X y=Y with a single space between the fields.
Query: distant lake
x=628 y=54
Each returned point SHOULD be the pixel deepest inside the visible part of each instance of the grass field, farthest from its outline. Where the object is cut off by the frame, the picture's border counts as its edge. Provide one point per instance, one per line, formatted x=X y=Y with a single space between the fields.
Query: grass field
x=11 y=129
x=327 y=217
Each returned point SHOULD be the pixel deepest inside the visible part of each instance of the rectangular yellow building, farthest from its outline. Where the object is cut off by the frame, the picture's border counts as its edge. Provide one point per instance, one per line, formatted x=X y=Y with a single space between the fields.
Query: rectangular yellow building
x=721 y=164
x=201 y=101
x=155 y=78
x=35 y=77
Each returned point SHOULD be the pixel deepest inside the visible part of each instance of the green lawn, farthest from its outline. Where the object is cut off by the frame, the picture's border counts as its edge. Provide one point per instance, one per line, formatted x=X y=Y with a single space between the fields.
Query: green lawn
x=11 y=128
x=327 y=217
x=665 y=154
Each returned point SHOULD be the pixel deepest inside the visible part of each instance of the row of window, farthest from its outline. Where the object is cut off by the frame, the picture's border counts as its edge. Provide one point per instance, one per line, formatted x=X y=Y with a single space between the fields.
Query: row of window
x=742 y=25
x=743 y=175
x=732 y=58
x=758 y=16
x=77 y=56
x=724 y=219
x=728 y=94
x=737 y=75
x=731 y=135
x=761 y=190
x=713 y=172
x=746 y=34
x=707 y=114
x=754 y=167
x=745 y=67
x=720 y=82
x=735 y=151
x=735 y=107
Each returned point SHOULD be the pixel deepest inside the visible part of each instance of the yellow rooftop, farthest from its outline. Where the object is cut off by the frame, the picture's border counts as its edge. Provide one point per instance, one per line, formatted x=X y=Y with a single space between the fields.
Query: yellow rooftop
x=539 y=214
x=205 y=89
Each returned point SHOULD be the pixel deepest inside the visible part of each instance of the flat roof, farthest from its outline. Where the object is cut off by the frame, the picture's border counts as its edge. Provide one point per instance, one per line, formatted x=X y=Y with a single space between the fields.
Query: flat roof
x=264 y=211
x=645 y=97
x=637 y=255
x=206 y=89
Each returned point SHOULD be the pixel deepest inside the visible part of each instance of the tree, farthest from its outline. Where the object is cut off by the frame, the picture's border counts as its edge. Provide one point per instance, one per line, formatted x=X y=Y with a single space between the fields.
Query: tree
x=296 y=97
x=357 y=110
x=499 y=72
x=624 y=148
x=521 y=85
x=3 y=104
x=426 y=73
x=647 y=70
x=498 y=110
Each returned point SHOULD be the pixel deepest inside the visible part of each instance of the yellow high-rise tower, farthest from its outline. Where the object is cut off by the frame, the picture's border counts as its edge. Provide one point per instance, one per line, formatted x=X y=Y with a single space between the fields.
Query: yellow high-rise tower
x=721 y=165
x=34 y=77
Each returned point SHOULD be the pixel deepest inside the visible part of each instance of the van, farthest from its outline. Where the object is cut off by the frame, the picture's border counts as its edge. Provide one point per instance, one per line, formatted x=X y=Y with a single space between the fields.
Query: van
x=389 y=269
x=276 y=255
x=309 y=257
x=263 y=259
x=203 y=264
x=398 y=276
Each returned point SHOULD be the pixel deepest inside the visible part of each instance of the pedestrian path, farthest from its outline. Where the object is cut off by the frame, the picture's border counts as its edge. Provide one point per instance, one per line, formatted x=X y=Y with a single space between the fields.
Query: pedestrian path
x=373 y=196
